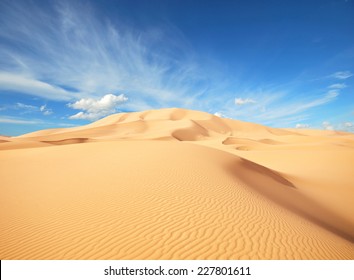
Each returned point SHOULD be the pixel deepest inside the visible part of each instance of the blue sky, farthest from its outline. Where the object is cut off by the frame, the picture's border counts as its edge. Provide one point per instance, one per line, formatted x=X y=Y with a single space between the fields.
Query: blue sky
x=277 y=63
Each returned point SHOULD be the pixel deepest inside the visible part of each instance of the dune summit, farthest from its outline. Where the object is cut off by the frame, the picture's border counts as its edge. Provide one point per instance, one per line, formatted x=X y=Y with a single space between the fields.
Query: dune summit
x=176 y=184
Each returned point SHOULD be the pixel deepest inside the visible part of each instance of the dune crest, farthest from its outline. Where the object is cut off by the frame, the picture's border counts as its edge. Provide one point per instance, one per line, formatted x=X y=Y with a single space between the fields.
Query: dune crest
x=176 y=184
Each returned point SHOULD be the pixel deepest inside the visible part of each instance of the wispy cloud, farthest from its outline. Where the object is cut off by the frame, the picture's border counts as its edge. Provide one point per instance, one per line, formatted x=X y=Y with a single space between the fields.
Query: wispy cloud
x=45 y=110
x=35 y=122
x=19 y=121
x=342 y=75
x=341 y=126
x=338 y=86
x=93 y=109
x=68 y=52
x=22 y=84
x=243 y=101
x=27 y=108
x=327 y=125
x=302 y=125
x=299 y=106
x=278 y=108
x=348 y=124
x=220 y=115
x=19 y=105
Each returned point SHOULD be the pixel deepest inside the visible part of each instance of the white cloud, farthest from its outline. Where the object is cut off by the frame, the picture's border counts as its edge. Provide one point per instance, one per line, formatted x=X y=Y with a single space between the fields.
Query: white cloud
x=12 y=120
x=343 y=126
x=85 y=116
x=45 y=110
x=220 y=115
x=96 y=108
x=338 y=86
x=70 y=52
x=26 y=85
x=25 y=106
x=290 y=109
x=327 y=126
x=67 y=52
x=332 y=94
x=328 y=97
x=241 y=101
x=342 y=75
x=348 y=124
x=18 y=121
x=302 y=125
x=278 y=108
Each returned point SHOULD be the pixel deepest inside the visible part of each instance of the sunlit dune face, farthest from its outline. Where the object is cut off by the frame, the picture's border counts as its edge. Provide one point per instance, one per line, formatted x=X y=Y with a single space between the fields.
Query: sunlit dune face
x=176 y=184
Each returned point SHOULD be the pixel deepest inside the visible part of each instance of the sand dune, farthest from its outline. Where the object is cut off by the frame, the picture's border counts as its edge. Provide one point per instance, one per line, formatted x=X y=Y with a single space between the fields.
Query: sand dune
x=176 y=184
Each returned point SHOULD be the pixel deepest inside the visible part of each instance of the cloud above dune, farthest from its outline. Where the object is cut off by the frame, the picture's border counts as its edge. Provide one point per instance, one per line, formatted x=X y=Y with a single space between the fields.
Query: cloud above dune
x=31 y=86
x=243 y=101
x=93 y=109
x=277 y=108
x=327 y=125
x=348 y=124
x=17 y=121
x=23 y=108
x=340 y=126
x=72 y=52
x=302 y=125
x=68 y=52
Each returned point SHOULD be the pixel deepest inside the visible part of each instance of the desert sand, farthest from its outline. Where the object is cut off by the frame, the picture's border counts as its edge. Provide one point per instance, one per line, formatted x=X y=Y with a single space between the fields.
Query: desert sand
x=177 y=184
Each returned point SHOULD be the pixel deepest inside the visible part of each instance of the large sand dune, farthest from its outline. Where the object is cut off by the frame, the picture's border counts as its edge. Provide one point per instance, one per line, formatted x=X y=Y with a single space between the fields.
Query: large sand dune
x=176 y=184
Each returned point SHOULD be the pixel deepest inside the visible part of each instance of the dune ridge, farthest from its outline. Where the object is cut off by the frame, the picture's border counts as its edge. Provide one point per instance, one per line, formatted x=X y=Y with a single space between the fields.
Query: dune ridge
x=176 y=184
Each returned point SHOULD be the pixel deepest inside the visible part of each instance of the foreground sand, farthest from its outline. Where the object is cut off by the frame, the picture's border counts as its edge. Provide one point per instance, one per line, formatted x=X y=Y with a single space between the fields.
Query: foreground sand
x=176 y=184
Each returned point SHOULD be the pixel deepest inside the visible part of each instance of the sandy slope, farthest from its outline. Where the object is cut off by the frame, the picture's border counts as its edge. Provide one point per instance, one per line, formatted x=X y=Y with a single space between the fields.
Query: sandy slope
x=176 y=184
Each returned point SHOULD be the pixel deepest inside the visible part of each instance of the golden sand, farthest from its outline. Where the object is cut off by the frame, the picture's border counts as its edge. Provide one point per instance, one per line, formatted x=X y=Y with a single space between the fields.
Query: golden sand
x=176 y=184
